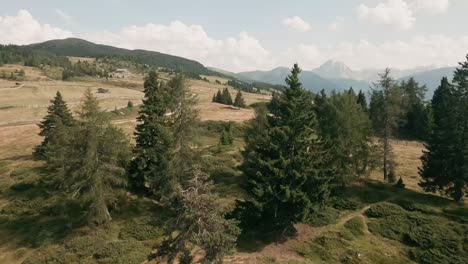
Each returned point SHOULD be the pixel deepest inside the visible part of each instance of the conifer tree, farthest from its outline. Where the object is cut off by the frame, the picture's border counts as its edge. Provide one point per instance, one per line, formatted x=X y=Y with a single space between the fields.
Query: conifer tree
x=284 y=163
x=226 y=135
x=219 y=97
x=412 y=125
x=198 y=217
x=58 y=114
x=361 y=99
x=387 y=108
x=239 y=100
x=96 y=156
x=439 y=165
x=346 y=131
x=445 y=161
x=152 y=136
x=226 y=97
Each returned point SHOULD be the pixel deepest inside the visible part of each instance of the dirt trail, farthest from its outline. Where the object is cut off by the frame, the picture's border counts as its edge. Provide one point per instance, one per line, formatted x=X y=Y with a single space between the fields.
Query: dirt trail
x=13 y=88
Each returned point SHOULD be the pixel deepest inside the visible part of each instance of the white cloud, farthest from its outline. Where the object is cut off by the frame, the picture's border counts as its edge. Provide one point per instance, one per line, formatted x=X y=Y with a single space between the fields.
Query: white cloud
x=394 y=13
x=296 y=23
x=334 y=26
x=68 y=18
x=437 y=50
x=25 y=29
x=190 y=41
x=431 y=6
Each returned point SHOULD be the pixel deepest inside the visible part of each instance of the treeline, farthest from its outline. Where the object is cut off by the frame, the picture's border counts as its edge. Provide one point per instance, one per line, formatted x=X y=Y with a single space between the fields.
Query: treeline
x=224 y=97
x=28 y=57
x=398 y=110
x=102 y=67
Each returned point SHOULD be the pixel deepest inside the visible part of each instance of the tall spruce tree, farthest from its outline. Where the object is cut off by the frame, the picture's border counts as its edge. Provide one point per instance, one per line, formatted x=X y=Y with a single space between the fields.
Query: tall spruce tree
x=284 y=162
x=361 y=99
x=445 y=161
x=96 y=156
x=58 y=115
x=226 y=97
x=412 y=125
x=387 y=108
x=198 y=218
x=239 y=100
x=153 y=138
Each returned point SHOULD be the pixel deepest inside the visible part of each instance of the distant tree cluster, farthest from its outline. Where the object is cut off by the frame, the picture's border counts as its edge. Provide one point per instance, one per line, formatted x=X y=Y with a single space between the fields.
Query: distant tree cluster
x=241 y=86
x=224 y=97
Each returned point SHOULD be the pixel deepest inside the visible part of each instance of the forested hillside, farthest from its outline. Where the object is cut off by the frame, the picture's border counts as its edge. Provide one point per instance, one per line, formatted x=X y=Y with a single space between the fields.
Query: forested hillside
x=83 y=48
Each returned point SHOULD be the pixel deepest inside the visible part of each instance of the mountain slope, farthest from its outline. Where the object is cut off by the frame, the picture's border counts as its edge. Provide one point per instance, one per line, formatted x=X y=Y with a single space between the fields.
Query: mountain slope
x=310 y=80
x=431 y=78
x=334 y=70
x=82 y=48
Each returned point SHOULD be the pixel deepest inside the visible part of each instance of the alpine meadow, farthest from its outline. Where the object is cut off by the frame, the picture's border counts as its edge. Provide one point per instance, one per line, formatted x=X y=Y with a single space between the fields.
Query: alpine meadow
x=233 y=132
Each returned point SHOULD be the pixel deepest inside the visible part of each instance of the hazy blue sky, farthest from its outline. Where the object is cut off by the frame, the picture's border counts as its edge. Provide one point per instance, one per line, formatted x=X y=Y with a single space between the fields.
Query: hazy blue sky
x=256 y=34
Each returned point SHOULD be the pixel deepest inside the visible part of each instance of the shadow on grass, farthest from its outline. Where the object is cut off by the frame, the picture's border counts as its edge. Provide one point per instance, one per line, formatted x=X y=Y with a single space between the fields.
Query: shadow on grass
x=33 y=217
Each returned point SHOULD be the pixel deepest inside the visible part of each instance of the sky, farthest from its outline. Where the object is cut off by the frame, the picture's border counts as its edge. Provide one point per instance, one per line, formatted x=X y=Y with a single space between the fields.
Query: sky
x=244 y=35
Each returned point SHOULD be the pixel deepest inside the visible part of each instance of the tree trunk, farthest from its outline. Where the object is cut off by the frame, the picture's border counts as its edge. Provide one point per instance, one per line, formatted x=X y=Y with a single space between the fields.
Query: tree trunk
x=386 y=151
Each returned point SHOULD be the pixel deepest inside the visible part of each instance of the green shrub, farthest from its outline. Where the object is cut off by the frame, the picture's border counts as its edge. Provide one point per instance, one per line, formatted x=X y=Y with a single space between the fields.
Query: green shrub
x=323 y=217
x=122 y=252
x=395 y=227
x=141 y=229
x=414 y=207
x=355 y=225
x=86 y=245
x=431 y=256
x=348 y=203
x=385 y=209
x=328 y=248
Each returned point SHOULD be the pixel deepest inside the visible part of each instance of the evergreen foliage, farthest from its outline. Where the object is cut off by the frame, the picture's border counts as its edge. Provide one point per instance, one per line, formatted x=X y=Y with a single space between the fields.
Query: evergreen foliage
x=361 y=99
x=445 y=162
x=284 y=161
x=387 y=108
x=223 y=97
x=153 y=138
x=414 y=126
x=239 y=100
x=199 y=220
x=88 y=160
x=346 y=131
x=226 y=137
x=58 y=115
x=198 y=217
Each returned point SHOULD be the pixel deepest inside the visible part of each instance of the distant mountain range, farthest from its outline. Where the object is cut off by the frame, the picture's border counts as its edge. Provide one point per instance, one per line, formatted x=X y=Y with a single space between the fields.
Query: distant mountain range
x=333 y=75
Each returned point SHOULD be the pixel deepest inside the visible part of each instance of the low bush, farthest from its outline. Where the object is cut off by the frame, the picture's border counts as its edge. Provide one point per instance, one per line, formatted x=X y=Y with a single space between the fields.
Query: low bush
x=329 y=248
x=385 y=209
x=141 y=229
x=324 y=217
x=122 y=252
x=435 y=240
x=348 y=203
x=86 y=245
x=355 y=225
